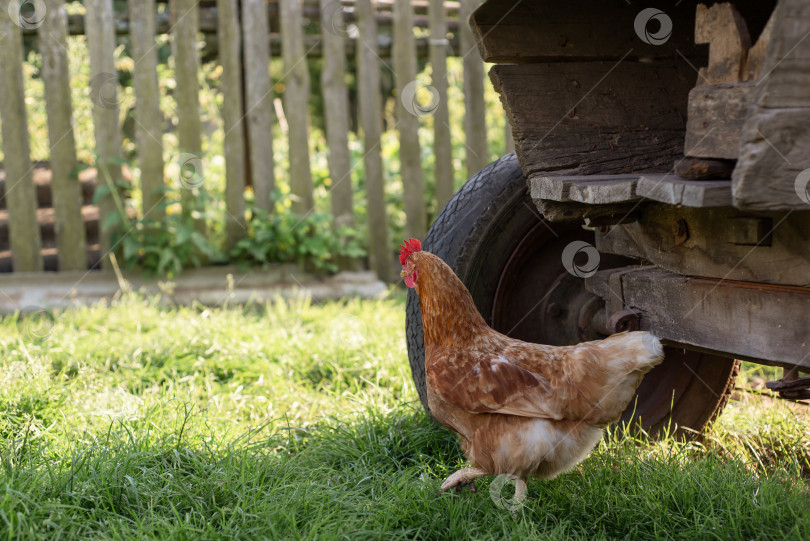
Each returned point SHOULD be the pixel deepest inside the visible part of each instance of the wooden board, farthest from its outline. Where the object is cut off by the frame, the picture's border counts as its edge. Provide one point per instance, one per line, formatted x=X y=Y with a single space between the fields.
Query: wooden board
x=595 y=117
x=442 y=145
x=475 y=126
x=776 y=138
x=591 y=189
x=742 y=319
x=673 y=190
x=717 y=113
x=718 y=244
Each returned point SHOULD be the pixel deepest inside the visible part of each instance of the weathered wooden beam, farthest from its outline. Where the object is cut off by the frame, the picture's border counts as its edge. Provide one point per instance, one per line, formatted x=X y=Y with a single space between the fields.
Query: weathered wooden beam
x=336 y=113
x=232 y=119
x=741 y=319
x=442 y=146
x=370 y=118
x=20 y=192
x=296 y=106
x=591 y=189
x=104 y=91
x=595 y=117
x=771 y=173
x=189 y=126
x=673 y=190
x=148 y=117
x=258 y=103
x=716 y=116
x=718 y=243
x=407 y=108
x=65 y=187
x=475 y=126
x=724 y=29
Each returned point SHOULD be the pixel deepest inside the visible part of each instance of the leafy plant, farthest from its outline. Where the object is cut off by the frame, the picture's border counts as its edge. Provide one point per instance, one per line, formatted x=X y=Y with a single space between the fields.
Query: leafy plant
x=286 y=237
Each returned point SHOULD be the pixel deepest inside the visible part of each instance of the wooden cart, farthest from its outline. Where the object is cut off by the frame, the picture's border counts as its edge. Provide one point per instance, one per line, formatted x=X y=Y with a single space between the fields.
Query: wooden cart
x=661 y=182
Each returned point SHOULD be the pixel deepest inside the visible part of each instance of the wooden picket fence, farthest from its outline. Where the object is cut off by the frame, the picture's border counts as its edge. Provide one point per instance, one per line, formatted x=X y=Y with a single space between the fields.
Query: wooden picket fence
x=247 y=34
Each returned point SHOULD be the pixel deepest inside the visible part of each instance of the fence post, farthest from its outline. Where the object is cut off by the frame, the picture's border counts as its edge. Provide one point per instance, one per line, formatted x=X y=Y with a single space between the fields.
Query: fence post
x=185 y=23
x=370 y=113
x=259 y=105
x=20 y=192
x=442 y=147
x=100 y=30
x=475 y=125
x=408 y=112
x=148 y=118
x=230 y=59
x=65 y=185
x=296 y=100
x=336 y=110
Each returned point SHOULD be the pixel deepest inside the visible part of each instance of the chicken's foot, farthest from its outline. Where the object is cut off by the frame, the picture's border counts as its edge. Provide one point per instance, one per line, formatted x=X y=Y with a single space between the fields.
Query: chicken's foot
x=463 y=477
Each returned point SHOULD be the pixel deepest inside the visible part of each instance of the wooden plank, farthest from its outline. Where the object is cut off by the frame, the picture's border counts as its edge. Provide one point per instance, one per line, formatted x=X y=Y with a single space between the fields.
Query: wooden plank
x=258 y=102
x=442 y=146
x=717 y=113
x=724 y=29
x=756 y=54
x=20 y=192
x=509 y=140
x=148 y=118
x=595 y=117
x=743 y=319
x=591 y=189
x=233 y=121
x=673 y=190
x=515 y=31
x=408 y=111
x=370 y=118
x=571 y=211
x=775 y=138
x=713 y=247
x=185 y=22
x=336 y=112
x=296 y=105
x=65 y=186
x=475 y=125
x=104 y=90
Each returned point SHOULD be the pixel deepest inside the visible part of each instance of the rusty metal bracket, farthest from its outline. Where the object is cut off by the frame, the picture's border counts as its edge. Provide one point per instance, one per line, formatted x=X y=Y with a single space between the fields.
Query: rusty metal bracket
x=791 y=387
x=625 y=320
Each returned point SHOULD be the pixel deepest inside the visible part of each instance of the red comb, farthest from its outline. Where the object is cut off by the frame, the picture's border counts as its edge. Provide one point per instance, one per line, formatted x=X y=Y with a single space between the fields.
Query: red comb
x=407 y=248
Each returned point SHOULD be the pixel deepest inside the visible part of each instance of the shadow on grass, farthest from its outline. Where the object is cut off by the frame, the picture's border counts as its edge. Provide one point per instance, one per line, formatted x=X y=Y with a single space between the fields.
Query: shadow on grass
x=375 y=476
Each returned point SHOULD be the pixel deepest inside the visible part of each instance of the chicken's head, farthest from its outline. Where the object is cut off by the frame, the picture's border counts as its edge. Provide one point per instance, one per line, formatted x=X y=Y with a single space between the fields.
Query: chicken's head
x=409 y=272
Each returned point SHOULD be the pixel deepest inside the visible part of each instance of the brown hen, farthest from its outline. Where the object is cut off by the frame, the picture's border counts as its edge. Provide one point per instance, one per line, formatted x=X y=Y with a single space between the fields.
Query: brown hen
x=520 y=409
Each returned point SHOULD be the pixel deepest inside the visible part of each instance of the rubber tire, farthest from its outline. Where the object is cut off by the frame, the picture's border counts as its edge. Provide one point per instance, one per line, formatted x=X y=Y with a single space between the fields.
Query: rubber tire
x=480 y=226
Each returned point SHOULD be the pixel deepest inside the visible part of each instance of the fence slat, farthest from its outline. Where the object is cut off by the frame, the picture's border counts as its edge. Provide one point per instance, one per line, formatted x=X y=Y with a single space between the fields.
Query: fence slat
x=185 y=22
x=407 y=107
x=296 y=98
x=442 y=147
x=229 y=57
x=20 y=192
x=148 y=118
x=475 y=126
x=509 y=140
x=336 y=110
x=104 y=91
x=370 y=115
x=259 y=105
x=65 y=186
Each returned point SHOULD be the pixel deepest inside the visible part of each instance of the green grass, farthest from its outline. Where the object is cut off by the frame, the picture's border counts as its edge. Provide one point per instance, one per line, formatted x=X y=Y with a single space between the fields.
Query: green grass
x=295 y=420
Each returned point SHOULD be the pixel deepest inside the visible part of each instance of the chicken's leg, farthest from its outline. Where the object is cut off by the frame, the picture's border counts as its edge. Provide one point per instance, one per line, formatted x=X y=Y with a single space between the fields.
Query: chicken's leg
x=463 y=477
